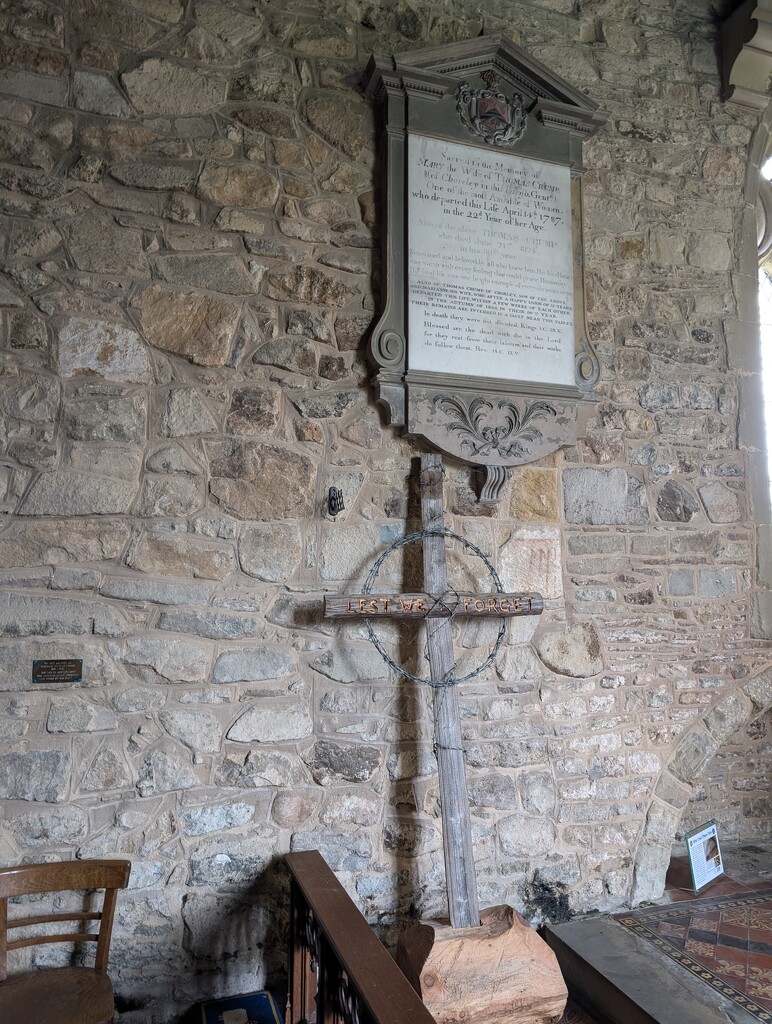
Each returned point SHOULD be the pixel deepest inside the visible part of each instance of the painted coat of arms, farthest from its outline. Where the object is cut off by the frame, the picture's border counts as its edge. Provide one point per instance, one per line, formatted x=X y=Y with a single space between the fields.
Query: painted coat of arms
x=488 y=113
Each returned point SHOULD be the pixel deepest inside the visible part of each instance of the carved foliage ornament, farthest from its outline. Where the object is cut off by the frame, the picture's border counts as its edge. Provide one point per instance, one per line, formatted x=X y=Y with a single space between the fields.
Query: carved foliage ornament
x=489 y=114
x=507 y=432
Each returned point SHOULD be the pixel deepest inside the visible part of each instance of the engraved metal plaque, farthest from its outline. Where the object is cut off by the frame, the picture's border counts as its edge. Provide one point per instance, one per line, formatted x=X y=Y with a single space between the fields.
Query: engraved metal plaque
x=481 y=347
x=58 y=670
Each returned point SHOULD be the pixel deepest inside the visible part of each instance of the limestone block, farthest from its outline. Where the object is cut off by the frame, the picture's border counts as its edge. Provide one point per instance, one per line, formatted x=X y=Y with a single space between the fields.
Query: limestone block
x=604 y=496
x=61 y=826
x=351 y=664
x=198 y=821
x=575 y=652
x=78 y=494
x=74 y=714
x=411 y=763
x=172 y=458
x=350 y=807
x=216 y=862
x=170 y=496
x=272 y=722
x=346 y=122
x=521 y=834
x=108 y=771
x=23 y=615
x=343 y=852
x=237 y=29
x=721 y=503
x=30 y=397
x=100 y=246
x=694 y=753
x=759 y=689
x=537 y=792
x=198 y=327
x=217 y=272
x=166 y=659
x=163 y=769
x=492 y=790
x=52 y=541
x=518 y=663
x=110 y=350
x=260 y=768
x=328 y=405
x=677 y=504
x=233 y=185
x=199 y=730
x=308 y=284
x=160 y=86
x=728 y=716
x=651 y=863
x=93 y=416
x=178 y=554
x=291 y=809
x=157 y=591
x=347 y=552
x=249 y=664
x=331 y=762
x=529 y=559
x=253 y=480
x=253 y=410
x=38 y=88
x=226 y=929
x=132 y=699
x=406 y=838
x=186 y=413
x=35 y=775
x=158 y=177
x=212 y=624
x=98 y=94
x=269 y=551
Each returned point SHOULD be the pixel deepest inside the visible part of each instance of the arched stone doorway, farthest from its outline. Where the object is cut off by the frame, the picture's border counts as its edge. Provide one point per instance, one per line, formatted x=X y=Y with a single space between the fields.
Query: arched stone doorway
x=746 y=69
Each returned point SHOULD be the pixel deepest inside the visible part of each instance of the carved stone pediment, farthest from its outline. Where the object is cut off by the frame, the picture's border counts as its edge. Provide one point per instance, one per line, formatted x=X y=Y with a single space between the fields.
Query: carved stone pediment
x=481 y=347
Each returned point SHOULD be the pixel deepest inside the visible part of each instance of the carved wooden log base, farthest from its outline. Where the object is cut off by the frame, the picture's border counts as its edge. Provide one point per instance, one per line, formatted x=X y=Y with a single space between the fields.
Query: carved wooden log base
x=500 y=972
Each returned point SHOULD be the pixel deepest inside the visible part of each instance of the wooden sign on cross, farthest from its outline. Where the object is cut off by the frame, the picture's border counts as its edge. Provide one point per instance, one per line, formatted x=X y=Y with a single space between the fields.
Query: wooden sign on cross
x=442 y=605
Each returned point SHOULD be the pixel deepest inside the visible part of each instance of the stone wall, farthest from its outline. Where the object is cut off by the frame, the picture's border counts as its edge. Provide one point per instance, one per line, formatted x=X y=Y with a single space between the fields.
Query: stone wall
x=190 y=263
x=734 y=792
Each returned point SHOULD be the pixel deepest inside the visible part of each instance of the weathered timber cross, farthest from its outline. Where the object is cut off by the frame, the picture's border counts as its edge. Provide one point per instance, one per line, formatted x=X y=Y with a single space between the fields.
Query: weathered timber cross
x=441 y=604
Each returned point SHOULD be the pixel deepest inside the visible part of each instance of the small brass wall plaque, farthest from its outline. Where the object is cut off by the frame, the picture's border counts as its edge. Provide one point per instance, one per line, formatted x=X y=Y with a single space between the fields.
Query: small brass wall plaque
x=58 y=670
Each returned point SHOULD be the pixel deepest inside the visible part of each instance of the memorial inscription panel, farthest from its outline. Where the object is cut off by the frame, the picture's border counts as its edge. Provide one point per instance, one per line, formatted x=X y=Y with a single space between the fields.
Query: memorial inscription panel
x=481 y=348
x=490 y=264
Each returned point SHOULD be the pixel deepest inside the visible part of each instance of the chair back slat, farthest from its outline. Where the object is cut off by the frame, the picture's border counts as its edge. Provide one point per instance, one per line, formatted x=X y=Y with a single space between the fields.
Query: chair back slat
x=63 y=876
x=27 y=922
x=43 y=940
x=66 y=876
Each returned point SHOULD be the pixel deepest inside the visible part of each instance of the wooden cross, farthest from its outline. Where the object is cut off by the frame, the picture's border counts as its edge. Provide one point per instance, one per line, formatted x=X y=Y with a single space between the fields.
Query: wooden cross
x=454 y=804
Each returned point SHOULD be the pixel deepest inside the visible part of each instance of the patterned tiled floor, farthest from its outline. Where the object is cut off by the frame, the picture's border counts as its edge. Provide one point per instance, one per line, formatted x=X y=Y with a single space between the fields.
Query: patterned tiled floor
x=725 y=939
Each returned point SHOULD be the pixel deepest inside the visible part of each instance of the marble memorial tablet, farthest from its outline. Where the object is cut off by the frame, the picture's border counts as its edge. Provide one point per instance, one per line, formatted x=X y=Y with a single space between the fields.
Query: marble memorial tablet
x=490 y=265
x=481 y=347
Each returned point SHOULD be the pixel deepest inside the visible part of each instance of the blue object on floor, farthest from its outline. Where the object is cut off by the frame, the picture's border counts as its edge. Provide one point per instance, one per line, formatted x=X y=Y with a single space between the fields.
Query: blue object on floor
x=251 y=1008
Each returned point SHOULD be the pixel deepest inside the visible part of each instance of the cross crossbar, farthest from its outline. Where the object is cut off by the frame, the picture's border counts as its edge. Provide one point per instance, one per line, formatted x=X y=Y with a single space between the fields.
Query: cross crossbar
x=423 y=606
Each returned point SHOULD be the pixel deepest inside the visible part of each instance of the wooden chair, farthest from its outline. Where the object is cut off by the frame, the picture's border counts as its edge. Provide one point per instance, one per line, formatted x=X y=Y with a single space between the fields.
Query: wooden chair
x=60 y=995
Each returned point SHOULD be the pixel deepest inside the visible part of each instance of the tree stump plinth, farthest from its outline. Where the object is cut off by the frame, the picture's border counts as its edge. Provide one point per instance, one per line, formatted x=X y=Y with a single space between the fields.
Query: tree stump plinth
x=501 y=971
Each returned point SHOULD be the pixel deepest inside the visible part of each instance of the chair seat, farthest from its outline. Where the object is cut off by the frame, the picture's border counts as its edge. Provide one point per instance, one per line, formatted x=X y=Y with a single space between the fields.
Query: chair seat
x=61 y=995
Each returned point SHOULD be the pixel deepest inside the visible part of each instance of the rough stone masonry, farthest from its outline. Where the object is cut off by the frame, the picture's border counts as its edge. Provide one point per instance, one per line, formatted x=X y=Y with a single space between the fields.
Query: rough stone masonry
x=190 y=262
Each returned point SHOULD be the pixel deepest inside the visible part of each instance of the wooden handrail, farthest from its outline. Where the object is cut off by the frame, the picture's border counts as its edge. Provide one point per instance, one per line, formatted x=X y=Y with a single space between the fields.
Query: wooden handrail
x=339 y=973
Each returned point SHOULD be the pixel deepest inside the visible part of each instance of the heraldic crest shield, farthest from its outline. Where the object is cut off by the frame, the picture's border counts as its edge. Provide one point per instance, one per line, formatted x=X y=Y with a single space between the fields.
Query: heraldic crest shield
x=489 y=114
